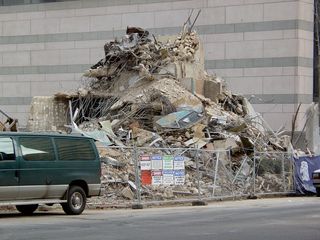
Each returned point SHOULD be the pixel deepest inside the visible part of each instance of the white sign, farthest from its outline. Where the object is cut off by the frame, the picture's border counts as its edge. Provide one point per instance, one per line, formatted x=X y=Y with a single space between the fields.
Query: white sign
x=156 y=162
x=179 y=177
x=168 y=162
x=168 y=177
x=178 y=163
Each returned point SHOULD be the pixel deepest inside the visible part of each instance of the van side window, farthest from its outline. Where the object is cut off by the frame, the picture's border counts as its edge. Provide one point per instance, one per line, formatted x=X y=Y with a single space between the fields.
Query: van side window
x=74 y=149
x=37 y=149
x=6 y=149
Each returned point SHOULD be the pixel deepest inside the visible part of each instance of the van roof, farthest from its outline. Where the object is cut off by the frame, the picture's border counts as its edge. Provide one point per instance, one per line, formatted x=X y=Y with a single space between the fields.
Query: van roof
x=41 y=134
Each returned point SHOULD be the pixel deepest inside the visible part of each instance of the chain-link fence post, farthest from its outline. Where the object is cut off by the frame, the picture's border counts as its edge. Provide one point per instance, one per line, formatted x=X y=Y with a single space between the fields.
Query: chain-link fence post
x=199 y=202
x=283 y=173
x=215 y=174
x=254 y=172
x=138 y=204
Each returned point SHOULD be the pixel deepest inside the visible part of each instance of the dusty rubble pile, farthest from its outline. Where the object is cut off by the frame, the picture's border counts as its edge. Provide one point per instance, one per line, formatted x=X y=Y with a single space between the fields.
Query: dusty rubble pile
x=139 y=95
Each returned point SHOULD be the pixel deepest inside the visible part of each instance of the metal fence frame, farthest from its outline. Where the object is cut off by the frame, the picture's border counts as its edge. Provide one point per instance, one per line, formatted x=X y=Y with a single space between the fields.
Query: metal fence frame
x=286 y=159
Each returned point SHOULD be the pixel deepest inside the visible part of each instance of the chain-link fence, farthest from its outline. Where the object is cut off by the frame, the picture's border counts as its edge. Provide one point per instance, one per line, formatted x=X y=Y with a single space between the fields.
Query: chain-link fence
x=157 y=175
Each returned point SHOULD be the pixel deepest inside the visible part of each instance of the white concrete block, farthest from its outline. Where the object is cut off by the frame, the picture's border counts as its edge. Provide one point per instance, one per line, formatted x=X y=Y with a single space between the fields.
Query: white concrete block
x=45 y=57
x=281 y=11
x=21 y=89
x=15 y=28
x=8 y=17
x=30 y=15
x=8 y=78
x=280 y=48
x=59 y=45
x=228 y=72
x=215 y=3
x=105 y=23
x=304 y=85
x=212 y=16
x=306 y=11
x=263 y=35
x=266 y=108
x=30 y=77
x=122 y=9
x=96 y=54
x=30 y=46
x=75 y=56
x=306 y=48
x=191 y=4
x=223 y=37
x=260 y=72
x=292 y=33
x=59 y=77
x=171 y=18
x=303 y=71
x=291 y=71
x=244 y=13
x=91 y=44
x=65 y=13
x=279 y=85
x=277 y=120
x=75 y=24
x=8 y=47
x=154 y=7
x=245 y=85
x=307 y=35
x=45 y=26
x=45 y=88
x=70 y=85
x=246 y=49
x=91 y=11
x=16 y=59
x=214 y=51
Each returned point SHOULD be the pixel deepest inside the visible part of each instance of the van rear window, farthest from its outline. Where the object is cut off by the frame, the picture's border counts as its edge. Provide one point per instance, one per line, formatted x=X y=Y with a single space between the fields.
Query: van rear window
x=74 y=149
x=37 y=149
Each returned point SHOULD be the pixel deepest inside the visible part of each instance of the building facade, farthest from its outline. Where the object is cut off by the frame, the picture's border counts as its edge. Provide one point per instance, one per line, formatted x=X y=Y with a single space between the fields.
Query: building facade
x=263 y=48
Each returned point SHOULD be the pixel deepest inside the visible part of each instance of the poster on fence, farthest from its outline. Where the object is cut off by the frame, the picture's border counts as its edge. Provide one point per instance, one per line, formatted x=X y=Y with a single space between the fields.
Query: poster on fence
x=179 y=177
x=178 y=163
x=156 y=177
x=166 y=170
x=168 y=162
x=156 y=162
x=168 y=177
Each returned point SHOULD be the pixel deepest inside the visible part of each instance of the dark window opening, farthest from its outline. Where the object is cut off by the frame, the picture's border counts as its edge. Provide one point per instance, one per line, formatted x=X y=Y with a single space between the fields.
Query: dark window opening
x=37 y=149
x=74 y=149
x=6 y=149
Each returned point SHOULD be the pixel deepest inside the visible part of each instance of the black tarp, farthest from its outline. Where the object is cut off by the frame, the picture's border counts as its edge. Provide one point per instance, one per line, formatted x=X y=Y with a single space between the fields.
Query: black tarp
x=304 y=167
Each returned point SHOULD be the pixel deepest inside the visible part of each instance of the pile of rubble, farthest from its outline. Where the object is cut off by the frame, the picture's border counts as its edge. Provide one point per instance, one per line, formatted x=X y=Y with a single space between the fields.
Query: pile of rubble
x=156 y=94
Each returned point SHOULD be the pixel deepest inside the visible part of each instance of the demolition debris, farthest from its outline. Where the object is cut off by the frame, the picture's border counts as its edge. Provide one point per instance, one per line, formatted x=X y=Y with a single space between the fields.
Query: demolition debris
x=154 y=93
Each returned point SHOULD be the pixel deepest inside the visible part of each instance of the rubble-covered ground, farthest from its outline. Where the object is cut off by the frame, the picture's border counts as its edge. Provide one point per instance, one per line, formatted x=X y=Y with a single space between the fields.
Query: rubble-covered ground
x=156 y=94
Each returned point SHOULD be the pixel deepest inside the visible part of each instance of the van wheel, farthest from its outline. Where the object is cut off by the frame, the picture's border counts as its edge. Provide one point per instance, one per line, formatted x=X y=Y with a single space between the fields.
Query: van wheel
x=76 y=201
x=318 y=191
x=27 y=209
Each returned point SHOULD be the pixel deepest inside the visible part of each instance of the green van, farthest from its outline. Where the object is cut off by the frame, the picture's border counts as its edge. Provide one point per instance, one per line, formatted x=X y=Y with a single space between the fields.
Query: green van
x=47 y=169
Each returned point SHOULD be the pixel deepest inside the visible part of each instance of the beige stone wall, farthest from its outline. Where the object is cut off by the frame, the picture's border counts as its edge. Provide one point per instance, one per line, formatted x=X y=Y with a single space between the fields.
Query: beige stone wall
x=263 y=48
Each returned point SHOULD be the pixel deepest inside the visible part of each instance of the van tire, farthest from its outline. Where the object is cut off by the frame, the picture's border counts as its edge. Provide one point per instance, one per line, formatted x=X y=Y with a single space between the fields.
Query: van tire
x=318 y=191
x=76 y=201
x=27 y=209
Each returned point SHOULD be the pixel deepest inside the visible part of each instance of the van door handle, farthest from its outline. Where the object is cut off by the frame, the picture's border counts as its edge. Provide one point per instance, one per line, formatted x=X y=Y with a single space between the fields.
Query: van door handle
x=16 y=173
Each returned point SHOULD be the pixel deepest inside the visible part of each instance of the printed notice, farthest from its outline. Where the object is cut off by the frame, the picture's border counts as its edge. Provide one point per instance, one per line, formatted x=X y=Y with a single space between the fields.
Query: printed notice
x=168 y=162
x=156 y=162
x=168 y=177
x=145 y=162
x=156 y=177
x=179 y=177
x=178 y=163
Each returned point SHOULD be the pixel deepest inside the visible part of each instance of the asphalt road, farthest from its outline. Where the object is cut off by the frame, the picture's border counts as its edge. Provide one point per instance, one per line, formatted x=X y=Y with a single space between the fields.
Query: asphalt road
x=270 y=219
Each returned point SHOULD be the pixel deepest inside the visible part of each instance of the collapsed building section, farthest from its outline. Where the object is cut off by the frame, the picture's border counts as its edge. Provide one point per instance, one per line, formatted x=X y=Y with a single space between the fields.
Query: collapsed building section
x=154 y=92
